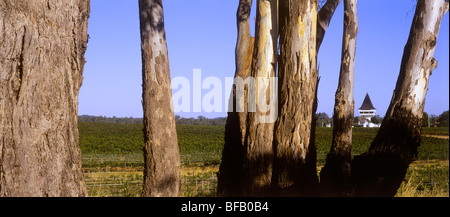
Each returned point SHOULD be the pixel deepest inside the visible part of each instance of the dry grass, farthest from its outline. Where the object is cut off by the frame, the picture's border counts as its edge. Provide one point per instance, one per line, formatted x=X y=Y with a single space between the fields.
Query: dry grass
x=201 y=180
x=410 y=189
x=421 y=182
x=196 y=180
x=437 y=136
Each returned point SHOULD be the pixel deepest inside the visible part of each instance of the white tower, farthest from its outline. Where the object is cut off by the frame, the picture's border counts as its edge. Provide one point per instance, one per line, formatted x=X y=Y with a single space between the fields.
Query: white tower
x=367 y=110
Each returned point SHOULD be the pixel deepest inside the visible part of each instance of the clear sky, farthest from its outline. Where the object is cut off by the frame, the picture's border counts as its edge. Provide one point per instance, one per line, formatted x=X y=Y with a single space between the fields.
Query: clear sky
x=201 y=34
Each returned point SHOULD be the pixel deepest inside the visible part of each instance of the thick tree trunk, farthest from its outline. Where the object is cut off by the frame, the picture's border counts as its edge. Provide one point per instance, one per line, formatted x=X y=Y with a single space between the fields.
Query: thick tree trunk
x=294 y=173
x=161 y=151
x=258 y=150
x=335 y=175
x=380 y=171
x=230 y=171
x=42 y=46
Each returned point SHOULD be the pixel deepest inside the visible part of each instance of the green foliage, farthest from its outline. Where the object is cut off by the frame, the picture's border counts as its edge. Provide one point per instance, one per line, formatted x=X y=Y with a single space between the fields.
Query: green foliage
x=200 y=120
x=201 y=143
x=376 y=119
x=433 y=148
x=110 y=138
x=114 y=119
x=435 y=131
x=323 y=119
x=204 y=144
x=425 y=119
x=118 y=146
x=361 y=140
x=443 y=119
x=198 y=143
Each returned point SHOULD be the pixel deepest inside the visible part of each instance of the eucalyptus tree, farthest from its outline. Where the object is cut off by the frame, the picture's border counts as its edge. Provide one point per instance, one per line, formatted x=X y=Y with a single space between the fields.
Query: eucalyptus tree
x=252 y=165
x=161 y=151
x=381 y=170
x=42 y=46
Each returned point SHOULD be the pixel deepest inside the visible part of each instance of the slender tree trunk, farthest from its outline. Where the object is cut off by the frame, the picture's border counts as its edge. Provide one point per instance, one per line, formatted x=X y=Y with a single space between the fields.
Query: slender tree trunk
x=293 y=173
x=230 y=171
x=323 y=20
x=335 y=175
x=161 y=151
x=42 y=46
x=258 y=150
x=380 y=171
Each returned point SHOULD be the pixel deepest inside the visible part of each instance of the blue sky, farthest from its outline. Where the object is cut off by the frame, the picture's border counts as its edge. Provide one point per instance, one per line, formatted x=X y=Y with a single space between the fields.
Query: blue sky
x=201 y=34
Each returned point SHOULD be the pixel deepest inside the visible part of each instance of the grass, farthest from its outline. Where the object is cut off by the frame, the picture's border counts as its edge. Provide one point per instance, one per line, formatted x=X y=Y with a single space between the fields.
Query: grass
x=196 y=180
x=426 y=179
x=112 y=158
x=435 y=131
x=114 y=184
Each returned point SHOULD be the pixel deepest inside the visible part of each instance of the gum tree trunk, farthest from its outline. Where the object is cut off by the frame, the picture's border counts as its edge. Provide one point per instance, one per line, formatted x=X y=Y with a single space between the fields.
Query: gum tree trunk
x=248 y=154
x=258 y=151
x=380 y=171
x=335 y=175
x=230 y=171
x=42 y=46
x=294 y=165
x=323 y=20
x=161 y=151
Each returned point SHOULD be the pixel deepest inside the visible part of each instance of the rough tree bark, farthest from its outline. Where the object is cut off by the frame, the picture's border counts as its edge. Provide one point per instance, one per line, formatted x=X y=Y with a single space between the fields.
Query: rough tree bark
x=230 y=171
x=290 y=162
x=42 y=46
x=294 y=172
x=161 y=151
x=335 y=175
x=380 y=171
x=258 y=151
x=242 y=129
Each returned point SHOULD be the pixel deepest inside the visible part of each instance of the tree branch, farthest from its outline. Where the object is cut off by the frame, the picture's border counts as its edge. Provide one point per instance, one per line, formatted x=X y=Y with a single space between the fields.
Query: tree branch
x=323 y=20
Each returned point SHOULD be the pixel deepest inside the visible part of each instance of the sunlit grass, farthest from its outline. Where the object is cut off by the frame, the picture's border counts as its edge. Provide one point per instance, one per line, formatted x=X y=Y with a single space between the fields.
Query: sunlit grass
x=426 y=179
x=116 y=170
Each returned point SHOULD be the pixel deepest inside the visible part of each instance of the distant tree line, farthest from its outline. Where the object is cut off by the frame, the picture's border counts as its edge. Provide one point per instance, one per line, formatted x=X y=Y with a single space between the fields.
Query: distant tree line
x=432 y=120
x=323 y=119
x=435 y=121
x=200 y=120
x=104 y=119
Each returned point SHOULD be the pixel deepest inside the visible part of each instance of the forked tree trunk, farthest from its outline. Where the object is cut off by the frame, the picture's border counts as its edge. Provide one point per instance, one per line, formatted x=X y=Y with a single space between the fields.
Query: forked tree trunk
x=294 y=171
x=242 y=135
x=380 y=171
x=335 y=175
x=230 y=171
x=161 y=151
x=42 y=46
x=258 y=151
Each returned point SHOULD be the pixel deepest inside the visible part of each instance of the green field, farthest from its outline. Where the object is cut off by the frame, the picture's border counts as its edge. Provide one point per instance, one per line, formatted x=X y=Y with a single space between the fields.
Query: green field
x=114 y=144
x=117 y=147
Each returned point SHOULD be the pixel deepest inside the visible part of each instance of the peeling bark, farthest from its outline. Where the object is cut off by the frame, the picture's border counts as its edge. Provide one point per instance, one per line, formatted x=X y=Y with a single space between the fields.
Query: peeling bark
x=258 y=151
x=335 y=175
x=42 y=46
x=161 y=151
x=380 y=171
x=293 y=173
x=230 y=171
